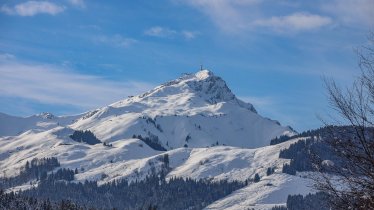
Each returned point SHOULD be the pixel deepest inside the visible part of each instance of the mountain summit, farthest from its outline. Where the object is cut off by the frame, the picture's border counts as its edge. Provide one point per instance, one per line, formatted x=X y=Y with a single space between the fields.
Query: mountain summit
x=195 y=110
x=202 y=86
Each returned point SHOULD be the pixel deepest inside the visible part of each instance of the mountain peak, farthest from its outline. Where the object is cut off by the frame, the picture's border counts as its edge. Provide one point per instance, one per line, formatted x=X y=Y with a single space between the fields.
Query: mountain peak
x=191 y=91
x=46 y=115
x=202 y=86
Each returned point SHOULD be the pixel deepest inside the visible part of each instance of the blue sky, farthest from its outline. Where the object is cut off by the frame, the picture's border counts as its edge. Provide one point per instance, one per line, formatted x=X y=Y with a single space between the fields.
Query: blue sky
x=70 y=56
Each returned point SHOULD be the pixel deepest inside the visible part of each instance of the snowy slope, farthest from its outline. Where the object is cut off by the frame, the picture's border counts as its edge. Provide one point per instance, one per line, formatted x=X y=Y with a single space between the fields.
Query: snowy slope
x=269 y=192
x=219 y=162
x=15 y=151
x=132 y=159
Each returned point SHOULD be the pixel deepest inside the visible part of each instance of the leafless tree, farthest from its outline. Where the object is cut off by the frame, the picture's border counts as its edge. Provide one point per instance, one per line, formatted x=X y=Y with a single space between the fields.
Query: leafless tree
x=350 y=183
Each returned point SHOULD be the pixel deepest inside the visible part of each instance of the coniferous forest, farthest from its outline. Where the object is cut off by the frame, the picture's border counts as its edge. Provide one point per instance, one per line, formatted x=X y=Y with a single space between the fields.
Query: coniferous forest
x=86 y=137
x=56 y=190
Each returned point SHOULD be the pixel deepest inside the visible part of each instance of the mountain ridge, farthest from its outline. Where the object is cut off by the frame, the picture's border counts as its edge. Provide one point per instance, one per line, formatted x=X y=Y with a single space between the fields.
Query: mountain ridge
x=194 y=110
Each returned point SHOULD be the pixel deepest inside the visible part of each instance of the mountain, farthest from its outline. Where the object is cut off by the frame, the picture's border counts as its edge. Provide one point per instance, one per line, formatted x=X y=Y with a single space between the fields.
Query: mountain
x=195 y=110
x=207 y=132
x=12 y=125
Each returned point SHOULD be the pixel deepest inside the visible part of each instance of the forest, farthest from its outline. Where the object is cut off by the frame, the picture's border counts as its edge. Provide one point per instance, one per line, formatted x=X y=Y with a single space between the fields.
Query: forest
x=56 y=188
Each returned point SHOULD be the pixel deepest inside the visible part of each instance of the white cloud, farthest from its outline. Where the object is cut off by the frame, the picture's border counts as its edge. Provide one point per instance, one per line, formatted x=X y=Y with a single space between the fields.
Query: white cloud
x=352 y=11
x=163 y=32
x=294 y=22
x=78 y=3
x=160 y=32
x=238 y=16
x=247 y=15
x=31 y=8
x=115 y=41
x=190 y=34
x=224 y=13
x=55 y=85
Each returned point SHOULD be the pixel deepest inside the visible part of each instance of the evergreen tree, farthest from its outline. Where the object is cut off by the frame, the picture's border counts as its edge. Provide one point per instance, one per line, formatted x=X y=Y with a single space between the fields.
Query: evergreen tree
x=257 y=178
x=270 y=171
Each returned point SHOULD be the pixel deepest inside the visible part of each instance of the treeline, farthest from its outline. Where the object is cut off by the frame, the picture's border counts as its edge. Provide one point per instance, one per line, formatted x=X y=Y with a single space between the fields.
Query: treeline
x=309 y=133
x=280 y=139
x=307 y=155
x=60 y=174
x=85 y=137
x=35 y=169
x=152 y=141
x=315 y=201
x=176 y=193
x=154 y=192
x=153 y=122
x=16 y=201
x=313 y=153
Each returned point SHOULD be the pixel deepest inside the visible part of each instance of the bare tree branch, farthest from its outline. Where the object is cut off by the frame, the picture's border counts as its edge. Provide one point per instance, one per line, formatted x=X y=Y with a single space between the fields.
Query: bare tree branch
x=350 y=183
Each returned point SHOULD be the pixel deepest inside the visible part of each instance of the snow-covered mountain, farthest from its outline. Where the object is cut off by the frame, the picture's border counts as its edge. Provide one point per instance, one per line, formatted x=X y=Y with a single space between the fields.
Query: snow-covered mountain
x=12 y=125
x=209 y=134
x=195 y=110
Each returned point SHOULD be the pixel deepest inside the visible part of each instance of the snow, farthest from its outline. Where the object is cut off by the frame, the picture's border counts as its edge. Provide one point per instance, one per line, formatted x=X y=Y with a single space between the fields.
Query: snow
x=197 y=105
x=270 y=191
x=15 y=151
x=131 y=159
x=203 y=74
x=226 y=138
x=12 y=126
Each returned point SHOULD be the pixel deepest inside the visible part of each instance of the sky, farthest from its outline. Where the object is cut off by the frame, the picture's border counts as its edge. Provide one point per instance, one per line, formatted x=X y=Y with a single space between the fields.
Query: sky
x=69 y=56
